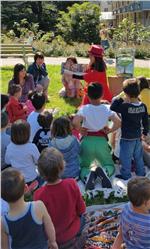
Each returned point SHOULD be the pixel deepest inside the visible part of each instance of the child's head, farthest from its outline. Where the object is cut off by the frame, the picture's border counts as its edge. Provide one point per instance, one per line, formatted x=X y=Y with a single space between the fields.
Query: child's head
x=12 y=185
x=19 y=71
x=143 y=83
x=50 y=164
x=72 y=60
x=20 y=132
x=15 y=90
x=4 y=100
x=95 y=91
x=61 y=127
x=4 y=120
x=45 y=119
x=139 y=191
x=38 y=100
x=131 y=88
x=39 y=58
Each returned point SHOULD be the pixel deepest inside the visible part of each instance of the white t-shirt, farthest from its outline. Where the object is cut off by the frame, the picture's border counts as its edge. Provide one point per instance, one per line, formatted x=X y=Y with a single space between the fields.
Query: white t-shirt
x=32 y=120
x=23 y=157
x=95 y=117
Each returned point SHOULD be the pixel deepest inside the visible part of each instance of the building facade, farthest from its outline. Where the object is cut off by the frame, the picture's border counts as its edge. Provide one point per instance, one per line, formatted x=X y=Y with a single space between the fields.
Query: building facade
x=137 y=11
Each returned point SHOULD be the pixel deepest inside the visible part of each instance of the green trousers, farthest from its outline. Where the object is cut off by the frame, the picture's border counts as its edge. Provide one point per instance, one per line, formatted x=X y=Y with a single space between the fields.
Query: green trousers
x=95 y=148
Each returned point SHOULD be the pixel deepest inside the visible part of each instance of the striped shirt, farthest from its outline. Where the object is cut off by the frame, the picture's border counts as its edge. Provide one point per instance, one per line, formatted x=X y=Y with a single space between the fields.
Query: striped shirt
x=135 y=228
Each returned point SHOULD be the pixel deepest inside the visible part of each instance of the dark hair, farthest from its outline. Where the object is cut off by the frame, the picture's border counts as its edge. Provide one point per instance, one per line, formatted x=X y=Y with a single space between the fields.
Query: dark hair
x=4 y=100
x=38 y=100
x=4 y=119
x=73 y=59
x=45 y=119
x=50 y=164
x=38 y=55
x=99 y=64
x=138 y=190
x=13 y=89
x=61 y=127
x=12 y=185
x=143 y=83
x=20 y=132
x=131 y=88
x=95 y=90
x=17 y=68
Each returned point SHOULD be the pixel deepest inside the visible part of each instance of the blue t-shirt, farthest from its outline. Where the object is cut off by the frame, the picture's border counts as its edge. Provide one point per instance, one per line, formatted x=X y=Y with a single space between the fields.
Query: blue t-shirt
x=135 y=228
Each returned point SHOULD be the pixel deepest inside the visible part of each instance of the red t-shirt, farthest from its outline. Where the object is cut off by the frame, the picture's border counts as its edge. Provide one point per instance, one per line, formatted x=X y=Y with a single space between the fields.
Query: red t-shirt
x=65 y=205
x=15 y=110
x=99 y=77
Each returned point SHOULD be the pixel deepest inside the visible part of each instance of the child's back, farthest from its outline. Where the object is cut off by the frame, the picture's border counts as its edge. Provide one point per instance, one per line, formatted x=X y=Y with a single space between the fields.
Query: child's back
x=67 y=145
x=26 y=229
x=61 y=197
x=65 y=205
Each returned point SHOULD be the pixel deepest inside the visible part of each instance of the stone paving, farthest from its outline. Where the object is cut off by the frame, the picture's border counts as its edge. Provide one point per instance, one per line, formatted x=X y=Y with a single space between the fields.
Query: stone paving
x=58 y=60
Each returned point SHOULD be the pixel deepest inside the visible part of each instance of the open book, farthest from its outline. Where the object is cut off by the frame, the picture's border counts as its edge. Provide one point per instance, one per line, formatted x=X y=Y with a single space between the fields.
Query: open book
x=79 y=69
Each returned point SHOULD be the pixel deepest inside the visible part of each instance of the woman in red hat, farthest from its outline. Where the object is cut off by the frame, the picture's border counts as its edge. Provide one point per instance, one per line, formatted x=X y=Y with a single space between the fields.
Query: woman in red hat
x=96 y=72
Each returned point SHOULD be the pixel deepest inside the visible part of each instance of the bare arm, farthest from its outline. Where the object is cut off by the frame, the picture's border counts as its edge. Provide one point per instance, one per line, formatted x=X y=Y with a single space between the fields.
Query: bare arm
x=118 y=241
x=116 y=123
x=77 y=122
x=48 y=225
x=4 y=238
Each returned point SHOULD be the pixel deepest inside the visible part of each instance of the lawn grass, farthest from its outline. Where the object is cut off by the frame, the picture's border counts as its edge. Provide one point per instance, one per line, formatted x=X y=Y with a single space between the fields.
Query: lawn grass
x=65 y=105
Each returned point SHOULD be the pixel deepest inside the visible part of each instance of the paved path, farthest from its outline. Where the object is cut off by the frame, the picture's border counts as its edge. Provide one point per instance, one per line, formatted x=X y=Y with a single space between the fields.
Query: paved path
x=59 y=60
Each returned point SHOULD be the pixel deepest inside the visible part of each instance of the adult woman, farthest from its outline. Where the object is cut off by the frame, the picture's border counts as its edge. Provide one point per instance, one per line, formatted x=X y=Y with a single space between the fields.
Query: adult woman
x=96 y=72
x=24 y=80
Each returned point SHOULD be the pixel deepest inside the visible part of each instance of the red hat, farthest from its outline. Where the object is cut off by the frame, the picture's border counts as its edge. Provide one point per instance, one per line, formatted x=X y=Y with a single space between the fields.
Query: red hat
x=96 y=50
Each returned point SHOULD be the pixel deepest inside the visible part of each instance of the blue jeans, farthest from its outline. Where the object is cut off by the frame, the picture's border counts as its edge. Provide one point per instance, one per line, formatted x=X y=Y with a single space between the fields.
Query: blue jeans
x=131 y=149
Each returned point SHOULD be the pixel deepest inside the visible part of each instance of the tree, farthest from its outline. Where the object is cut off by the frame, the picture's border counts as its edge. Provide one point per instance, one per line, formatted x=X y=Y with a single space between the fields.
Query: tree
x=80 y=23
x=130 y=32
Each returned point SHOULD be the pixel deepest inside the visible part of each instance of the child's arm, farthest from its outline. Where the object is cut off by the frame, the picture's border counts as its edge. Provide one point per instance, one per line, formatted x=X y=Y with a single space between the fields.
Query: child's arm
x=116 y=123
x=4 y=238
x=118 y=241
x=48 y=225
x=116 y=105
x=77 y=122
x=35 y=153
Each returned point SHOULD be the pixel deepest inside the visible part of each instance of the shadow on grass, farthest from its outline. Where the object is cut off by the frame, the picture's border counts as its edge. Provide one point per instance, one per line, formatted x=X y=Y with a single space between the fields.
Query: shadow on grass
x=73 y=101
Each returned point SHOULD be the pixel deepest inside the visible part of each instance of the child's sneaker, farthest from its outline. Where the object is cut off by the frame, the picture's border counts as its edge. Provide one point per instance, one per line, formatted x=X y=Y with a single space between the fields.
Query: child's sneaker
x=90 y=183
x=106 y=183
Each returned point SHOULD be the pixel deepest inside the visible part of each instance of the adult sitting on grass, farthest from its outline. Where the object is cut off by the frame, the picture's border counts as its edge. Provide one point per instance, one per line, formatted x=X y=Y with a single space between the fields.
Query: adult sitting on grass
x=39 y=72
x=20 y=77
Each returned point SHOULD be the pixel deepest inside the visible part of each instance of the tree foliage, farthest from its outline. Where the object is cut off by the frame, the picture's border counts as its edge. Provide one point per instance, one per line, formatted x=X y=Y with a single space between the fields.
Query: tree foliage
x=131 y=33
x=80 y=23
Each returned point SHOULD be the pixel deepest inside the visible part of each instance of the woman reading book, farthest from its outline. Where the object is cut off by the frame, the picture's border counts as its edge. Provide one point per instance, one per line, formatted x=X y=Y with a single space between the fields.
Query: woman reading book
x=95 y=72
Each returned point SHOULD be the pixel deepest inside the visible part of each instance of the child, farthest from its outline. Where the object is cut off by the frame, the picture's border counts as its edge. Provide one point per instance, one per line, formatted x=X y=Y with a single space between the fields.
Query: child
x=133 y=113
x=27 y=223
x=43 y=135
x=4 y=101
x=67 y=144
x=94 y=146
x=15 y=109
x=61 y=197
x=29 y=103
x=145 y=93
x=135 y=218
x=72 y=86
x=38 y=101
x=20 y=153
x=5 y=139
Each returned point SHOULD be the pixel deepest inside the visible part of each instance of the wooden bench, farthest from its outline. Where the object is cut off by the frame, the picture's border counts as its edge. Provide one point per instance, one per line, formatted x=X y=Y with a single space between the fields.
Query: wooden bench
x=23 y=51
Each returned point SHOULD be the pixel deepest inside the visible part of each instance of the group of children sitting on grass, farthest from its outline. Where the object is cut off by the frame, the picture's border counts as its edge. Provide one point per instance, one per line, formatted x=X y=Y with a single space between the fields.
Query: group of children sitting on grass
x=42 y=149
